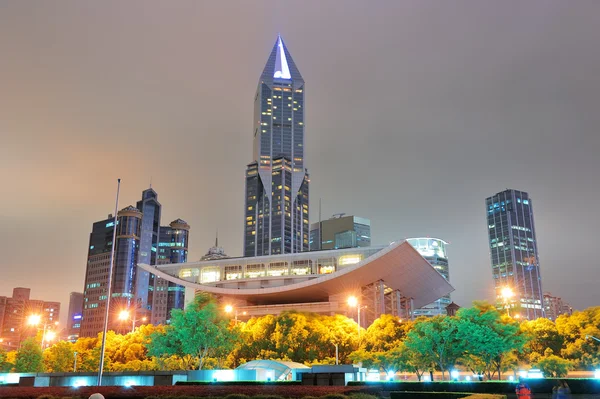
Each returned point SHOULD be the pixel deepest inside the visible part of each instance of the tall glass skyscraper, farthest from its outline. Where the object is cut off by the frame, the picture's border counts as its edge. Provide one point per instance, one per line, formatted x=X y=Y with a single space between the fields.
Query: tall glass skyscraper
x=514 y=253
x=172 y=248
x=276 y=206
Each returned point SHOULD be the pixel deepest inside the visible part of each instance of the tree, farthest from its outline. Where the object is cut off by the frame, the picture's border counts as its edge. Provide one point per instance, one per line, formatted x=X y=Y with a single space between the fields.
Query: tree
x=436 y=340
x=573 y=329
x=488 y=337
x=59 y=357
x=542 y=333
x=554 y=366
x=195 y=334
x=385 y=333
x=5 y=365
x=411 y=360
x=29 y=357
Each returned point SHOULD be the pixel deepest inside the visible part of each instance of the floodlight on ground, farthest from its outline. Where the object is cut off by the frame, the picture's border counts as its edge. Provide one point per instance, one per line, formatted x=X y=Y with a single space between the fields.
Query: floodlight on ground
x=454 y=374
x=597 y=373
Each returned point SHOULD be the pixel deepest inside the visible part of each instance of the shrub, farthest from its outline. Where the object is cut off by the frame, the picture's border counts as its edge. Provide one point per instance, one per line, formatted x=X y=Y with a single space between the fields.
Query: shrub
x=236 y=396
x=334 y=396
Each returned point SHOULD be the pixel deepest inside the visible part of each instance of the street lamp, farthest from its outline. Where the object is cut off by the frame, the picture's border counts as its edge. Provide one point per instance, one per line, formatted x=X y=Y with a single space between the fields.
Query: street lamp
x=230 y=309
x=507 y=293
x=352 y=301
x=124 y=315
x=592 y=337
x=35 y=320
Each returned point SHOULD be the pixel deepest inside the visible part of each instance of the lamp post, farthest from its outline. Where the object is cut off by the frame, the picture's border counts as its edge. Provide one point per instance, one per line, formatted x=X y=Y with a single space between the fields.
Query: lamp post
x=108 y=287
x=592 y=337
x=352 y=301
x=35 y=320
x=75 y=361
x=507 y=293
x=230 y=309
x=124 y=315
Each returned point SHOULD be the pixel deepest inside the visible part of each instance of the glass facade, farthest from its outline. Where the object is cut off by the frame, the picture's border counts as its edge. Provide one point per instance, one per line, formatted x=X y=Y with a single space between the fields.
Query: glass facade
x=434 y=251
x=150 y=208
x=276 y=203
x=172 y=248
x=129 y=222
x=514 y=252
x=340 y=232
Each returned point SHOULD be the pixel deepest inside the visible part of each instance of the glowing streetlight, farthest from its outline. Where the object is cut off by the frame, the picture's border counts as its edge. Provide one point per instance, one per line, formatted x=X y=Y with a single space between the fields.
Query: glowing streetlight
x=35 y=320
x=352 y=301
x=231 y=309
x=124 y=315
x=507 y=293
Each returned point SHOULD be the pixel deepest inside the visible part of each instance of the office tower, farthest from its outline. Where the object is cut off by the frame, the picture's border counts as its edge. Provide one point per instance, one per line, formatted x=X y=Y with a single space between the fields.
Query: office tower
x=172 y=248
x=514 y=253
x=16 y=312
x=276 y=203
x=150 y=208
x=74 y=315
x=434 y=251
x=340 y=231
x=129 y=221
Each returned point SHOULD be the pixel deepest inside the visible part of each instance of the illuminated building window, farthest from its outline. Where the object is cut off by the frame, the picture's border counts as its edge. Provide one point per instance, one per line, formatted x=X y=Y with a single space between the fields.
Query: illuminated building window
x=210 y=275
x=349 y=259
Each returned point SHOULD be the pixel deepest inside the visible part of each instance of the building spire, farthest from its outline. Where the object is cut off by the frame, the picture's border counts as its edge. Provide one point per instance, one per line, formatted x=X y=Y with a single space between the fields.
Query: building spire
x=217 y=239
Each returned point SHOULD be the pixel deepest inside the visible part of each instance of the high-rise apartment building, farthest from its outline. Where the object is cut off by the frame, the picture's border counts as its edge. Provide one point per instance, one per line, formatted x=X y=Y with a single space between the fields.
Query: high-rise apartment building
x=514 y=253
x=172 y=248
x=74 y=316
x=16 y=312
x=276 y=203
x=340 y=231
x=434 y=251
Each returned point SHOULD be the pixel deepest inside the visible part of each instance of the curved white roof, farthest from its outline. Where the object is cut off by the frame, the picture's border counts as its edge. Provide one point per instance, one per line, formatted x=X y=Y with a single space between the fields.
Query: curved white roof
x=398 y=265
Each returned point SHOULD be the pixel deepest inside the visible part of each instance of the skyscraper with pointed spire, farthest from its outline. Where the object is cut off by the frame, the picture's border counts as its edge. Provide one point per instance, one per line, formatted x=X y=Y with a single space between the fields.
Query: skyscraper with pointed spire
x=276 y=205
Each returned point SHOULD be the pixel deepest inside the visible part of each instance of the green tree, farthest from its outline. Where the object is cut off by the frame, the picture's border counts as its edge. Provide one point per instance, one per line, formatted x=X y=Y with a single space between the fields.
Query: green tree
x=555 y=366
x=412 y=361
x=488 y=337
x=195 y=334
x=436 y=340
x=59 y=357
x=29 y=357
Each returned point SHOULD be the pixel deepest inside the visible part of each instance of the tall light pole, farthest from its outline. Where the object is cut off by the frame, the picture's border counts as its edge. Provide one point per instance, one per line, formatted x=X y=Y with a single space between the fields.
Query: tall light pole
x=352 y=301
x=507 y=293
x=108 y=285
x=124 y=315
x=35 y=320
x=75 y=361
x=230 y=309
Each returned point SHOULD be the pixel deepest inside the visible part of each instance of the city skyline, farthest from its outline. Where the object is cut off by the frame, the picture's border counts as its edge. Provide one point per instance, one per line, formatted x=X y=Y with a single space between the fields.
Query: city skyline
x=413 y=123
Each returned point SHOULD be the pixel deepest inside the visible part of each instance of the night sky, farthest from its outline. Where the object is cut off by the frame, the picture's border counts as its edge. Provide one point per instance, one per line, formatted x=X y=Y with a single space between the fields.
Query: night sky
x=416 y=111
